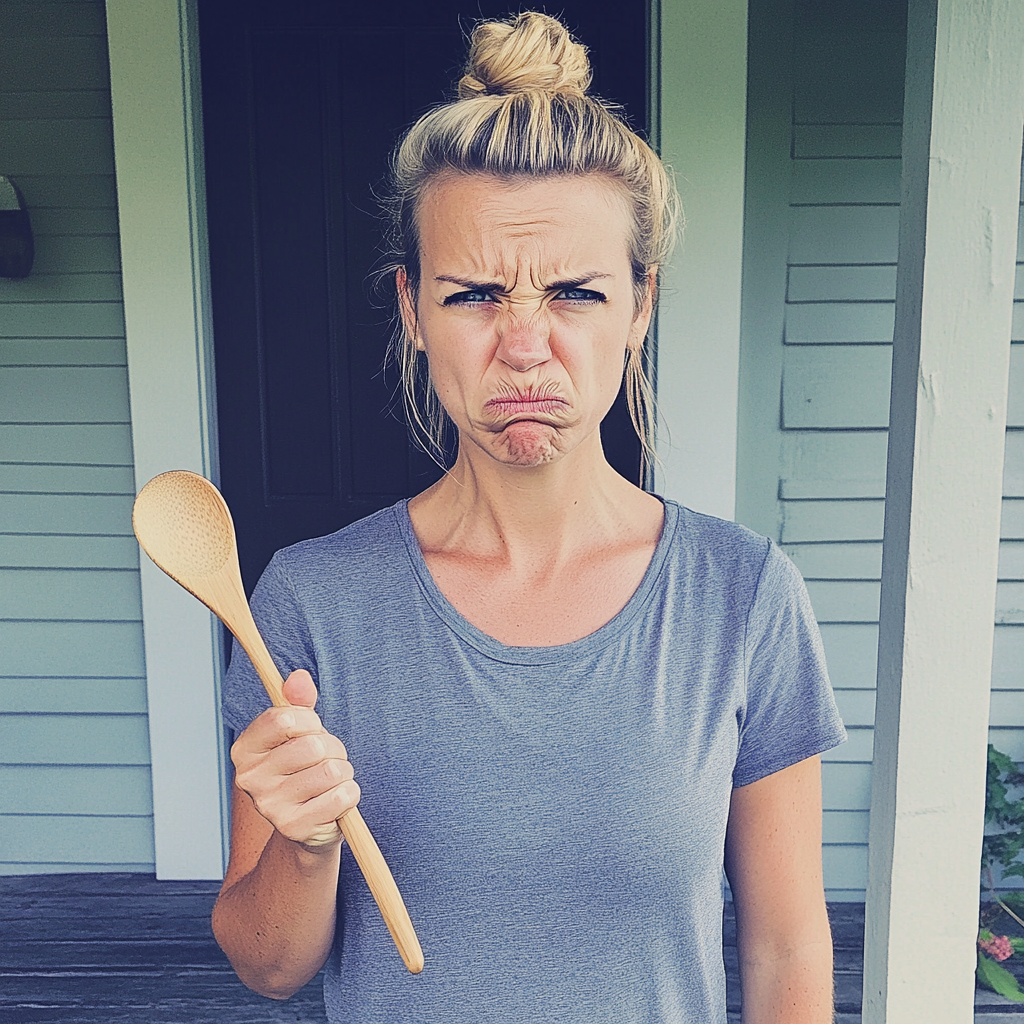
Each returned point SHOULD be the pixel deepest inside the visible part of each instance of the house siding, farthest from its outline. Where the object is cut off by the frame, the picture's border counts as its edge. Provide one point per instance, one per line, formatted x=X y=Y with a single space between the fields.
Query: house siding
x=833 y=358
x=75 y=788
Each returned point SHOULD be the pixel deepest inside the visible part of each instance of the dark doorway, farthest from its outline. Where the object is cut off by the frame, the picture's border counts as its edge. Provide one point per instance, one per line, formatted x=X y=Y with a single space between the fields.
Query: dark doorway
x=302 y=104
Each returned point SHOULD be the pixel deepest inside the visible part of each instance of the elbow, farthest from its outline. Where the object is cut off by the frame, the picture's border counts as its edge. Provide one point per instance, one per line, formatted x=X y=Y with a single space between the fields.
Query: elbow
x=270 y=980
x=266 y=979
x=273 y=984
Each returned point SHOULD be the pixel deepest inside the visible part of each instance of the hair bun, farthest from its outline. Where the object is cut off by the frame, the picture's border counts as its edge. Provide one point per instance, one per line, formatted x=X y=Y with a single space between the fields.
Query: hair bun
x=529 y=53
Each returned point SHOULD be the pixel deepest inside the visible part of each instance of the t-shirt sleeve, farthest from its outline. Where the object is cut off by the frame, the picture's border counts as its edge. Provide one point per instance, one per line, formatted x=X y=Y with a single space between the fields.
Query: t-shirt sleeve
x=790 y=712
x=284 y=628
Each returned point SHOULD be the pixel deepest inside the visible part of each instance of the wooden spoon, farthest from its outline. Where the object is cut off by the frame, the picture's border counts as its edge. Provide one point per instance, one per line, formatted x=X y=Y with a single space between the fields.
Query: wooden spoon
x=184 y=525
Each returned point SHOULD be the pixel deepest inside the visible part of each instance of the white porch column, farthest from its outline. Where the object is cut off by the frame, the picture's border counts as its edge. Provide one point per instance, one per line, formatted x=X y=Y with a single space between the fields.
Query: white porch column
x=958 y=226
x=154 y=85
x=702 y=59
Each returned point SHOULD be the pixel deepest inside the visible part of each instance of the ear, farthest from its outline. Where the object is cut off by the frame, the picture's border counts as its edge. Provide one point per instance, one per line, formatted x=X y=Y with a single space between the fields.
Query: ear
x=407 y=307
x=642 y=320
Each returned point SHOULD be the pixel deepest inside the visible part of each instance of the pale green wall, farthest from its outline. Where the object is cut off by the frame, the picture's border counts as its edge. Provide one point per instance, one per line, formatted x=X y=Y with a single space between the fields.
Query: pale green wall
x=703 y=56
x=75 y=792
x=819 y=291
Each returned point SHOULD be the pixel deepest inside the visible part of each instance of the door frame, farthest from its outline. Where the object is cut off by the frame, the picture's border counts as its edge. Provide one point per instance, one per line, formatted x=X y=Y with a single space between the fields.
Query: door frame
x=703 y=60
x=158 y=149
x=158 y=157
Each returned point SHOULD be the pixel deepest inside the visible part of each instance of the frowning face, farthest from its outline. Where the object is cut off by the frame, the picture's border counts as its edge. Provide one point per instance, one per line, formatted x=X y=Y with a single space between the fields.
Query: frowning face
x=525 y=309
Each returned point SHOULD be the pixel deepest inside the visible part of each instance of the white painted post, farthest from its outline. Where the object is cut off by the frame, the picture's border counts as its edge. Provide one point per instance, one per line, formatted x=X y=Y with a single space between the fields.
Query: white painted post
x=958 y=224
x=154 y=86
x=703 y=93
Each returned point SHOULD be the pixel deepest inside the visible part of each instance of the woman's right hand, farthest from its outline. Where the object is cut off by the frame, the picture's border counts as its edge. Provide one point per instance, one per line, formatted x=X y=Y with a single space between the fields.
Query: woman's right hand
x=297 y=773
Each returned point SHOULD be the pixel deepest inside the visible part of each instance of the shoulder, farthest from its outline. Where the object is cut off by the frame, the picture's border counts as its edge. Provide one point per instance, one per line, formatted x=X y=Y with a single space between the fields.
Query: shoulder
x=363 y=553
x=716 y=549
x=731 y=569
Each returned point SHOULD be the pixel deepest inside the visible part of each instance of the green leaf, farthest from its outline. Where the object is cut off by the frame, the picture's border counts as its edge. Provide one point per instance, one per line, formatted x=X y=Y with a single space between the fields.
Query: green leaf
x=999 y=979
x=1003 y=845
x=1017 y=943
x=1000 y=761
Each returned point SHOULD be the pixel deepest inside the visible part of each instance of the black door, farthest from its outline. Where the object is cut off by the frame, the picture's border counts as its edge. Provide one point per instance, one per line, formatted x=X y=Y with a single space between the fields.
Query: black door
x=302 y=104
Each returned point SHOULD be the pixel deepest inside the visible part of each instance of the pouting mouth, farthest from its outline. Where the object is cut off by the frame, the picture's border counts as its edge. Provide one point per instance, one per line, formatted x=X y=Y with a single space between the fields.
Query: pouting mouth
x=526 y=405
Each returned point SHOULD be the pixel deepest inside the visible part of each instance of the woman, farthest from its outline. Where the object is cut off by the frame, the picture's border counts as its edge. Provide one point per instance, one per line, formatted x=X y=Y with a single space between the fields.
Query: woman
x=569 y=702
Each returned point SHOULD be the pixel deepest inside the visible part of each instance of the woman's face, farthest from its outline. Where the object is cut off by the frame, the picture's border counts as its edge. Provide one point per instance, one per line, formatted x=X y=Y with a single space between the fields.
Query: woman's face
x=525 y=309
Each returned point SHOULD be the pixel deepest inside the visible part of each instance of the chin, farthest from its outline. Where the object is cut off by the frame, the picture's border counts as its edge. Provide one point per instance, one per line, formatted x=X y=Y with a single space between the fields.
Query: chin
x=527 y=444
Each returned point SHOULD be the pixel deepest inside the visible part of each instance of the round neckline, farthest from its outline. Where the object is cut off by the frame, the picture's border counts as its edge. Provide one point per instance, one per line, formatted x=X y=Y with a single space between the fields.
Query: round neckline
x=514 y=655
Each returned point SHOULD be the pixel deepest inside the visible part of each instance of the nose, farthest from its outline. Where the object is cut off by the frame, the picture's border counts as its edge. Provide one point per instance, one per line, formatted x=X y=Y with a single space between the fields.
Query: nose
x=524 y=342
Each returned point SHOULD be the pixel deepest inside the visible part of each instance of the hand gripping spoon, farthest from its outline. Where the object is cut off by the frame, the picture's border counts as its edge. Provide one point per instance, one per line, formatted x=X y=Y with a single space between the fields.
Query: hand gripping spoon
x=184 y=525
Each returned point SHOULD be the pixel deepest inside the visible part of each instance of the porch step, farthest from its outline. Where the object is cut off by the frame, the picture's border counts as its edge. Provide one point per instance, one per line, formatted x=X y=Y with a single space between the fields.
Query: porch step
x=120 y=948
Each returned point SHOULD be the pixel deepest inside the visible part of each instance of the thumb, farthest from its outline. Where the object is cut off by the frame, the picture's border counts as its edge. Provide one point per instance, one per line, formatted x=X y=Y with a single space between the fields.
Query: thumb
x=299 y=689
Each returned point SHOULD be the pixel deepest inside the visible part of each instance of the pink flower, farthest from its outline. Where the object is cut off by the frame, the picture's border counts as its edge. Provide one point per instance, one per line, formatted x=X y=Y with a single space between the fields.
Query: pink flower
x=998 y=947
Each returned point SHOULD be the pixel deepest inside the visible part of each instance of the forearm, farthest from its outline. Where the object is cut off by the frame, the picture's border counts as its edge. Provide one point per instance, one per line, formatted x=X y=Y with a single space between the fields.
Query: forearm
x=276 y=924
x=788 y=987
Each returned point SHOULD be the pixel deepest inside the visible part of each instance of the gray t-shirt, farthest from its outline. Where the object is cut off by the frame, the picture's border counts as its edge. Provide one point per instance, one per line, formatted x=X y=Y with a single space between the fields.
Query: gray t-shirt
x=554 y=816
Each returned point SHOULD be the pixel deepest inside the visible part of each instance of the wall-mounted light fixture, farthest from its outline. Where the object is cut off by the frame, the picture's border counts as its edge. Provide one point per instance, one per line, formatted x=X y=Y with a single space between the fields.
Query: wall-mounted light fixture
x=16 y=248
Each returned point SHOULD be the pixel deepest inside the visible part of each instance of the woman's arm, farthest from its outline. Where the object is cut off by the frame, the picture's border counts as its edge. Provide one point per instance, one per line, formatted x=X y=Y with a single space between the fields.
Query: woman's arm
x=773 y=860
x=275 y=915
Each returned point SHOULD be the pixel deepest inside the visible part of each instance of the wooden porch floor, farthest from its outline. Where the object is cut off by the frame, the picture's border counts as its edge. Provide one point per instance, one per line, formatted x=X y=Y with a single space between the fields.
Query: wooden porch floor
x=113 y=948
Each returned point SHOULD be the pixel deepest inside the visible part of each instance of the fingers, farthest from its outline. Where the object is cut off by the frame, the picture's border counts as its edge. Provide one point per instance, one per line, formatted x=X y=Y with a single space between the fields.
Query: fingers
x=278 y=725
x=314 y=822
x=297 y=774
x=294 y=754
x=299 y=689
x=311 y=780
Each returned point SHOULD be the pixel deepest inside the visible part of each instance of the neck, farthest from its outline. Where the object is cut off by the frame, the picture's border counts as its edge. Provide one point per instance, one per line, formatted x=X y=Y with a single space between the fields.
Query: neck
x=519 y=513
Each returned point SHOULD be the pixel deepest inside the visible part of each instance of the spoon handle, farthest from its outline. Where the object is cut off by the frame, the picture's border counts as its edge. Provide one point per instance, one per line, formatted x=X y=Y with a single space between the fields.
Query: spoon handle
x=358 y=836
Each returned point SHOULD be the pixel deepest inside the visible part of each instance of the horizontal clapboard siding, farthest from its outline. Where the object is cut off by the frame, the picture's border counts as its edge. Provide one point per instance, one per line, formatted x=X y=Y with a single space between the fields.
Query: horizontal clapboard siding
x=84 y=444
x=34 y=551
x=844 y=387
x=851 y=650
x=34 y=352
x=73 y=695
x=62 y=320
x=834 y=356
x=832 y=465
x=840 y=323
x=1008 y=658
x=848 y=141
x=74 y=739
x=839 y=387
x=849 y=73
x=75 y=787
x=60 y=841
x=106 y=595
x=82 y=789
x=71 y=650
x=82 y=514
x=845 y=826
x=843 y=234
x=846 y=182
x=63 y=394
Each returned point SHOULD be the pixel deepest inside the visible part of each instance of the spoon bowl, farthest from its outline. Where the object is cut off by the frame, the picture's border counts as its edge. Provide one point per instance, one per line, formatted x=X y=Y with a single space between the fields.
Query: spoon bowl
x=203 y=536
x=183 y=523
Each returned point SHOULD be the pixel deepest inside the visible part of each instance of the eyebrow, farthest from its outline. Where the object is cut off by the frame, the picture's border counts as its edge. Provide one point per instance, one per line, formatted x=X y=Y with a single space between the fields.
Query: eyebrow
x=475 y=286
x=492 y=286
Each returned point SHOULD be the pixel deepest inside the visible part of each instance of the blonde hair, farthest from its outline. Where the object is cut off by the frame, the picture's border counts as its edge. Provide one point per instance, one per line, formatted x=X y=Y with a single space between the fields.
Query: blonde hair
x=523 y=111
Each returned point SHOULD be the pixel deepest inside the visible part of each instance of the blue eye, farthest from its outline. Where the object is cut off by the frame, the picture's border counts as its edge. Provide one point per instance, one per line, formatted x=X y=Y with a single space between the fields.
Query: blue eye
x=468 y=298
x=580 y=295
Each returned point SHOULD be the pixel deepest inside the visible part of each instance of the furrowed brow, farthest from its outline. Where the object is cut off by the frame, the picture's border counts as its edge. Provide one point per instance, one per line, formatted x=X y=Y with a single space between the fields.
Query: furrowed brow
x=577 y=282
x=494 y=286
x=471 y=286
